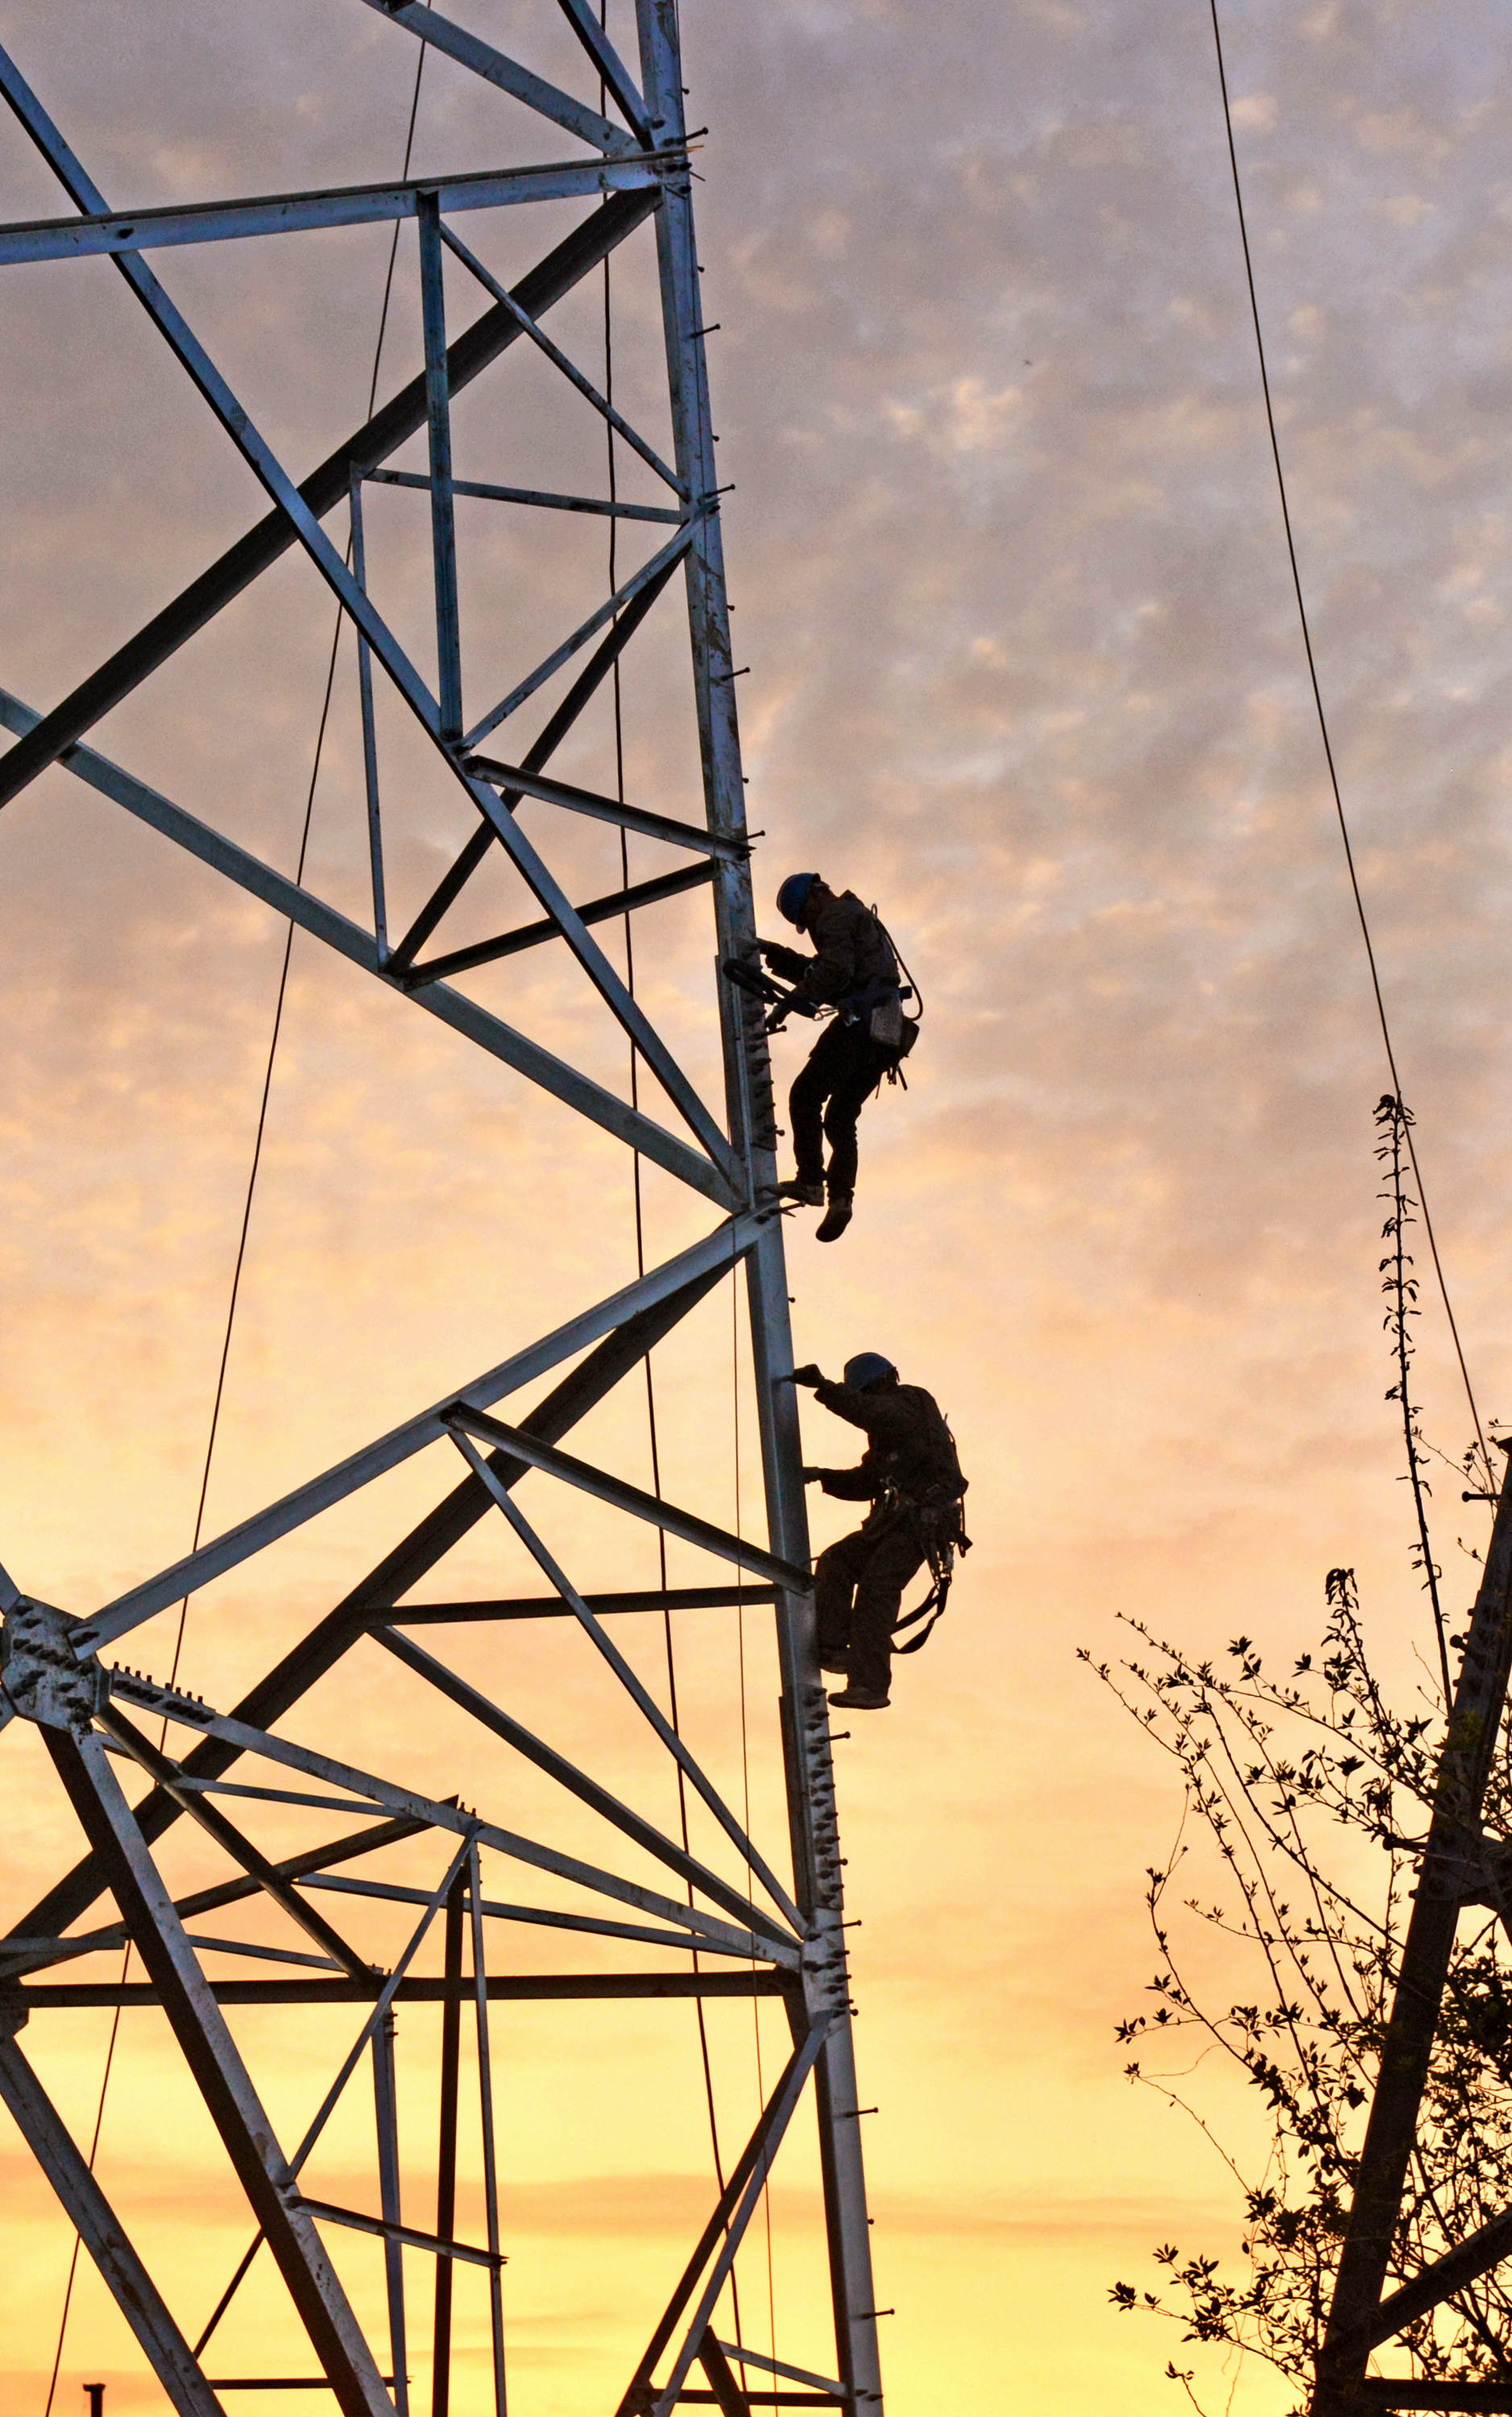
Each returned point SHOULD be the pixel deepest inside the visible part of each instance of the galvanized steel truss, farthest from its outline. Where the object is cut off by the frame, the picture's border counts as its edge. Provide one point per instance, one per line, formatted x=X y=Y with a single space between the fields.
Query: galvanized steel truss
x=768 y=1935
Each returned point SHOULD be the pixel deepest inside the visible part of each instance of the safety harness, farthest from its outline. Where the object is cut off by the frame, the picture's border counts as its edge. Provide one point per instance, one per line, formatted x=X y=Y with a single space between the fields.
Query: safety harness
x=879 y=1004
x=903 y=1030
x=936 y=1512
x=938 y=1522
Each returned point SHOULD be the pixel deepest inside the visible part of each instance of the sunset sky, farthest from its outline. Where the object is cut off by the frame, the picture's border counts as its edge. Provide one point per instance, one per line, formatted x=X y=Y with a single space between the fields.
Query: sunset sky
x=1008 y=570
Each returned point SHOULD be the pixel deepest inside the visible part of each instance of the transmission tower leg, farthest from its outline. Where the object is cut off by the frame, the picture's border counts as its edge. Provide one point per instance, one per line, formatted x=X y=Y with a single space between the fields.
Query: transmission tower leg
x=90 y=2212
x=805 y=1726
x=451 y=2038
x=1359 y=2320
x=485 y=2095
x=845 y=2214
x=385 y=2109
x=816 y=1849
x=223 y=2080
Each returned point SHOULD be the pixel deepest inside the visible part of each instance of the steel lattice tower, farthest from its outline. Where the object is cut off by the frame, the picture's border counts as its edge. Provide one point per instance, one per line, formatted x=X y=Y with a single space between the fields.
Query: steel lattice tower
x=757 y=1922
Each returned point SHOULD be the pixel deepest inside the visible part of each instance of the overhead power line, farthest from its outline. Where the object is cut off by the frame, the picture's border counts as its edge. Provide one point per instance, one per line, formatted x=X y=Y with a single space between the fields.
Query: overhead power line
x=1322 y=728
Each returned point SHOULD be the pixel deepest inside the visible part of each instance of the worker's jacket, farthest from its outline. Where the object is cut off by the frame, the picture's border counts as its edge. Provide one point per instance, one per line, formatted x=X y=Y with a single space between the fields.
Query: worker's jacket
x=910 y=1456
x=852 y=955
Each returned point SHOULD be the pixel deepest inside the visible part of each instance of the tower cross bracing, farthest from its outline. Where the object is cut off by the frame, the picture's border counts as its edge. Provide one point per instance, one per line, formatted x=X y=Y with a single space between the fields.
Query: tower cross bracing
x=702 y=1913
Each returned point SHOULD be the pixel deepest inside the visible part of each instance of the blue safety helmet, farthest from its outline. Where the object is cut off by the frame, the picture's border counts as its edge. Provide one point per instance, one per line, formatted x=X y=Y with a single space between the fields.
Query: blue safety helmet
x=867 y=1369
x=793 y=896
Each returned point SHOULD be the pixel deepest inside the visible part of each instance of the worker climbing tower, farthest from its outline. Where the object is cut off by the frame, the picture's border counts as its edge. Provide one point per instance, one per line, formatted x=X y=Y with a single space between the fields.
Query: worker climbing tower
x=376 y=1914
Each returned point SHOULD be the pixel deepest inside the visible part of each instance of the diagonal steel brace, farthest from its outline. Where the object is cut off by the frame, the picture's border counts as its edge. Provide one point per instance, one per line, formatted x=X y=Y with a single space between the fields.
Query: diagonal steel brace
x=224 y=2083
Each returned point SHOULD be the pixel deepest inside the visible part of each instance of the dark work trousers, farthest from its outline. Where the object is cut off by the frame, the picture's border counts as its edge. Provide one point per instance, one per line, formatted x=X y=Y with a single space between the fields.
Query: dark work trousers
x=859 y=1589
x=845 y=1065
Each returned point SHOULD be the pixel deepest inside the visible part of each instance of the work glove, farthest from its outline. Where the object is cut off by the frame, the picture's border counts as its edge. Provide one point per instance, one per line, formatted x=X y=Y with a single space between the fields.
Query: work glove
x=809 y=1374
x=791 y=1005
x=814 y=1476
x=783 y=960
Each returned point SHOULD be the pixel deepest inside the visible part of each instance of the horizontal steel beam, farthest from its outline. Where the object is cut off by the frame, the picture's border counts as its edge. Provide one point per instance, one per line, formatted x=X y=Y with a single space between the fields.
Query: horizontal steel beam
x=273 y=2382
x=533 y=935
x=186 y=1786
x=542 y=498
x=621 y=1497
x=761 y=2401
x=325 y=2213
x=608 y=810
x=687 y=2398
x=721 y=1249
x=335 y=205
x=423 y=1989
x=551 y=1607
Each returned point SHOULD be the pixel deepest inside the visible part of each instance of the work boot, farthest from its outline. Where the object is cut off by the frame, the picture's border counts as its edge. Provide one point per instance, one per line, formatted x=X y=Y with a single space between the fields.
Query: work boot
x=861 y=1700
x=807 y=1194
x=835 y=1218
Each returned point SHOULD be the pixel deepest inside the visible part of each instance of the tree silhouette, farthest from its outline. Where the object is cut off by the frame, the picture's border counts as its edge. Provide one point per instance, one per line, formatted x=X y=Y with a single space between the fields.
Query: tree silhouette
x=1305 y=1801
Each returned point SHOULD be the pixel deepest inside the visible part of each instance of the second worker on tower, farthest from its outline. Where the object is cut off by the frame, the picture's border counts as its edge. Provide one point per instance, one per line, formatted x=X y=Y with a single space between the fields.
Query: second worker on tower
x=854 y=970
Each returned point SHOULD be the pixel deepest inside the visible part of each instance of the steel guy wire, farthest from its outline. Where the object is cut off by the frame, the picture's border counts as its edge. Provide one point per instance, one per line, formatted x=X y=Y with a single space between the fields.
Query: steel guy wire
x=744 y=1779
x=1327 y=744
x=245 y=1216
x=637 y=1195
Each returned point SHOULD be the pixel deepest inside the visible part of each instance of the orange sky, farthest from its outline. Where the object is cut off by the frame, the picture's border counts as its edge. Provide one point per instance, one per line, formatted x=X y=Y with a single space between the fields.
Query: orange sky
x=1007 y=569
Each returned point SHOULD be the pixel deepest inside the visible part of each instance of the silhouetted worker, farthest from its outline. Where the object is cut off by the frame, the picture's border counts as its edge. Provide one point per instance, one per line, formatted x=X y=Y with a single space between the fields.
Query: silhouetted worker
x=912 y=1477
x=854 y=971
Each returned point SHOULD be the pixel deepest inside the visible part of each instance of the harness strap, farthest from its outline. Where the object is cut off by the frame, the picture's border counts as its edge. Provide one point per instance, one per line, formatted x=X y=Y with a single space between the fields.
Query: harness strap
x=932 y=1608
x=939 y=1552
x=876 y=993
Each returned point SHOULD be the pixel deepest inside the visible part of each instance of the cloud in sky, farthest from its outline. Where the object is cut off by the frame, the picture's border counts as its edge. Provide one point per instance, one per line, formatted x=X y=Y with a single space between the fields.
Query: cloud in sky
x=1008 y=564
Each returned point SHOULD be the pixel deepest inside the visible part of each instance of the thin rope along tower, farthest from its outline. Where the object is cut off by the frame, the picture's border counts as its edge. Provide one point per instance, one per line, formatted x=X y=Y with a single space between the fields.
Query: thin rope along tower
x=385 y=1895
